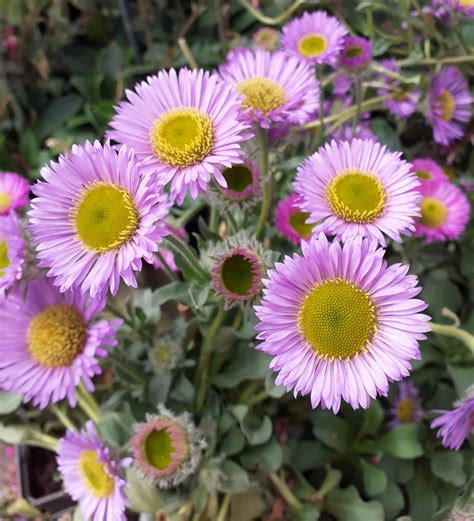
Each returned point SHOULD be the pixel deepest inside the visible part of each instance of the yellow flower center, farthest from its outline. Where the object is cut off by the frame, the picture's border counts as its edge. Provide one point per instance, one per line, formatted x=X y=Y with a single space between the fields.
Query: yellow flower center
x=237 y=275
x=353 y=51
x=312 y=45
x=405 y=409
x=96 y=478
x=105 y=218
x=356 y=197
x=158 y=449
x=182 y=137
x=56 y=336
x=337 y=319
x=447 y=105
x=466 y=3
x=424 y=174
x=299 y=224
x=262 y=94
x=433 y=212
x=238 y=177
x=5 y=200
x=4 y=260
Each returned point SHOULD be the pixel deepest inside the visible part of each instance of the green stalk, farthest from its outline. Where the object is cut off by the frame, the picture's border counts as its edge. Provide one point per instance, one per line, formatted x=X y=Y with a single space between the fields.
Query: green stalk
x=356 y=119
x=127 y=368
x=115 y=311
x=63 y=417
x=202 y=371
x=188 y=214
x=164 y=266
x=183 y=45
x=267 y=176
x=214 y=220
x=461 y=40
x=454 y=332
x=436 y=61
x=86 y=406
x=180 y=248
x=268 y=20
x=285 y=491
x=39 y=439
x=222 y=515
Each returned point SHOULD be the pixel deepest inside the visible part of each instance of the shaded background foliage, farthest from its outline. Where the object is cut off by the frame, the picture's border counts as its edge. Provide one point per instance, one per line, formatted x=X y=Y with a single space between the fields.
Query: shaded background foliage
x=64 y=65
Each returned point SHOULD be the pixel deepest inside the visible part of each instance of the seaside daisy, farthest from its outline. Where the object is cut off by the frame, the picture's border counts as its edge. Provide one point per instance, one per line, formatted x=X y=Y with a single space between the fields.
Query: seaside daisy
x=355 y=53
x=237 y=266
x=449 y=105
x=406 y=407
x=361 y=131
x=12 y=251
x=358 y=188
x=266 y=38
x=339 y=323
x=275 y=87
x=91 y=476
x=14 y=191
x=290 y=221
x=444 y=210
x=185 y=126
x=95 y=217
x=167 y=448
x=427 y=170
x=465 y=7
x=456 y=425
x=314 y=37
x=403 y=101
x=51 y=342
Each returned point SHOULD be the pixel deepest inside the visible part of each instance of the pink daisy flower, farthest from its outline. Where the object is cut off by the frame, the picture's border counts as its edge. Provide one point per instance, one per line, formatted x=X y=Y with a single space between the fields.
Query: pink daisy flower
x=356 y=53
x=358 y=188
x=339 y=323
x=361 y=131
x=14 y=191
x=167 y=449
x=91 y=476
x=290 y=221
x=465 y=7
x=444 y=209
x=185 y=127
x=96 y=216
x=407 y=407
x=12 y=251
x=276 y=87
x=456 y=425
x=427 y=170
x=51 y=341
x=314 y=37
x=449 y=105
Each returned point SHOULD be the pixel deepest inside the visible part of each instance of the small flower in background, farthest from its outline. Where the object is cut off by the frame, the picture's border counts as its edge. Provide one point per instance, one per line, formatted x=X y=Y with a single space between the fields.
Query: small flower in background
x=95 y=217
x=427 y=170
x=165 y=354
x=290 y=221
x=314 y=37
x=91 y=476
x=406 y=407
x=168 y=256
x=356 y=53
x=12 y=251
x=276 y=87
x=10 y=42
x=347 y=133
x=238 y=266
x=14 y=191
x=445 y=211
x=465 y=7
x=340 y=324
x=266 y=38
x=343 y=85
x=455 y=426
x=167 y=448
x=243 y=187
x=449 y=105
x=358 y=188
x=402 y=104
x=184 y=126
x=50 y=342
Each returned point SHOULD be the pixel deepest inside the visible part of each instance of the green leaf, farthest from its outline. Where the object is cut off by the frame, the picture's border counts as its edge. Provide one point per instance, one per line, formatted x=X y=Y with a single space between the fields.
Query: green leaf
x=9 y=402
x=385 y=133
x=247 y=506
x=236 y=478
x=333 y=432
x=269 y=456
x=57 y=114
x=249 y=364
x=255 y=430
x=309 y=455
x=233 y=442
x=398 y=470
x=159 y=387
x=374 y=478
x=116 y=429
x=461 y=376
x=373 y=418
x=347 y=505
x=183 y=389
x=142 y=494
x=401 y=442
x=392 y=500
x=448 y=466
x=14 y=434
x=21 y=507
x=177 y=291
x=440 y=292
x=422 y=494
x=275 y=391
x=308 y=513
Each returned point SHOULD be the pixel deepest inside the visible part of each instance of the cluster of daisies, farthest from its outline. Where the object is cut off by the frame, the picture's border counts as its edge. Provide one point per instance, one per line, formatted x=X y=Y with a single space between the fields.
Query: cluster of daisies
x=339 y=323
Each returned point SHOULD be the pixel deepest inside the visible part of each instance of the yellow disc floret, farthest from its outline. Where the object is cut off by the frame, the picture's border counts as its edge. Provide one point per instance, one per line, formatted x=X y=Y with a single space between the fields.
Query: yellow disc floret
x=356 y=197
x=298 y=223
x=424 y=174
x=262 y=94
x=182 y=137
x=95 y=476
x=4 y=260
x=405 y=409
x=447 y=106
x=337 y=319
x=105 y=217
x=433 y=212
x=238 y=177
x=5 y=200
x=56 y=336
x=158 y=449
x=312 y=45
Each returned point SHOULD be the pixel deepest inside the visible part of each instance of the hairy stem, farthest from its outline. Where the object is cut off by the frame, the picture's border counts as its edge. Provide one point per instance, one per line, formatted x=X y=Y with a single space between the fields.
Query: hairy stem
x=267 y=176
x=285 y=491
x=454 y=332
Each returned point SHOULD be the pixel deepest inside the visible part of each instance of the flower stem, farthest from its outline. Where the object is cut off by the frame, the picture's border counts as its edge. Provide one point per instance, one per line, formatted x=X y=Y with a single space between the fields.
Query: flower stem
x=115 y=311
x=214 y=220
x=268 y=20
x=164 y=266
x=87 y=407
x=461 y=40
x=222 y=515
x=202 y=371
x=453 y=331
x=183 y=45
x=188 y=214
x=436 y=61
x=63 y=417
x=177 y=246
x=285 y=491
x=356 y=118
x=39 y=439
x=267 y=176
x=127 y=368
